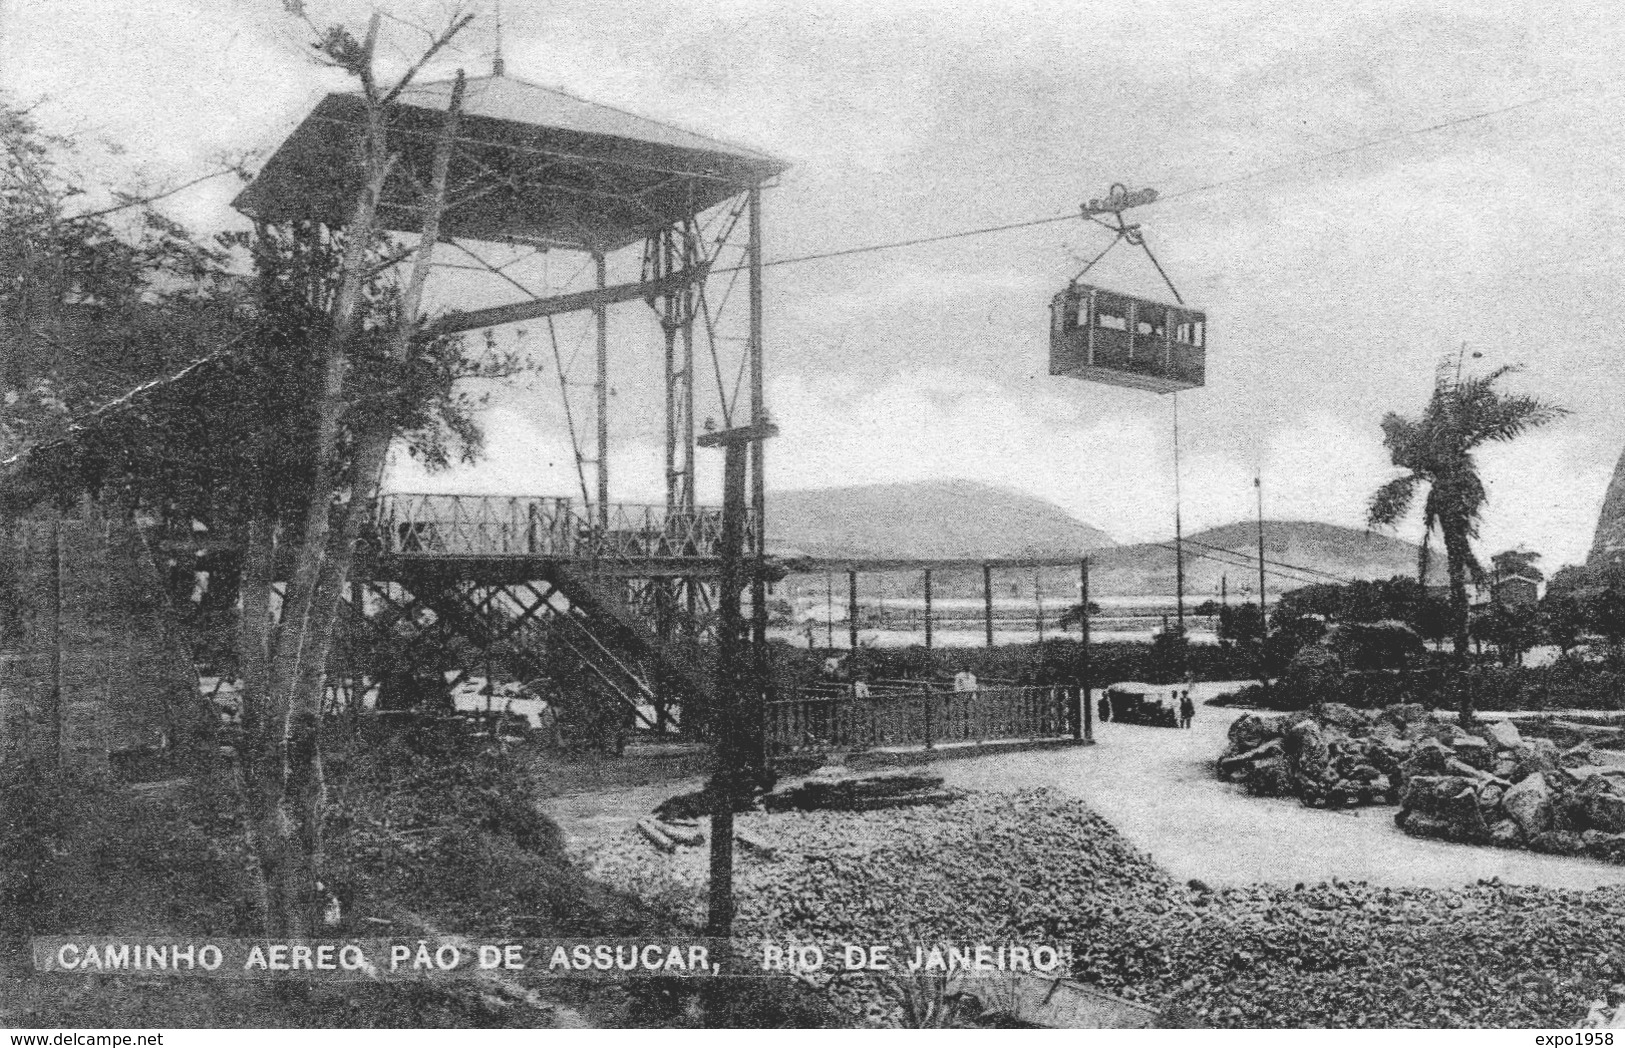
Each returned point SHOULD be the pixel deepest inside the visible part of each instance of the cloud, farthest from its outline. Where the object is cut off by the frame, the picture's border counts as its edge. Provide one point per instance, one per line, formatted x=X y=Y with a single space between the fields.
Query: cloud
x=1334 y=285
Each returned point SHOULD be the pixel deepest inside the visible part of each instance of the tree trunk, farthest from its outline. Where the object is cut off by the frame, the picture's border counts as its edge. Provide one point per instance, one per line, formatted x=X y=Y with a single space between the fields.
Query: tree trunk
x=284 y=766
x=1456 y=557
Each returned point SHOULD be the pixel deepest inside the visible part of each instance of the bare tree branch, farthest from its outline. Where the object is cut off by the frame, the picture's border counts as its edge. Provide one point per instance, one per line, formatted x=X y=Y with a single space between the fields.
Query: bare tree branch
x=127 y=201
x=445 y=38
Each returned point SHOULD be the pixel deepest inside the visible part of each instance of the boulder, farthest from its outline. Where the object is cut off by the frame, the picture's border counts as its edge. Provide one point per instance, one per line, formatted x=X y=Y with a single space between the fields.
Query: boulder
x=1489 y=796
x=1505 y=833
x=1577 y=757
x=1306 y=749
x=1419 y=824
x=1558 y=842
x=1595 y=840
x=1470 y=749
x=1447 y=732
x=1364 y=773
x=1601 y=808
x=1435 y=794
x=1450 y=798
x=1346 y=718
x=1504 y=768
x=1459 y=767
x=1404 y=714
x=1387 y=754
x=1529 y=803
x=1610 y=847
x=1503 y=734
x=1249 y=731
x=1271 y=748
x=1429 y=758
x=1537 y=757
x=1270 y=777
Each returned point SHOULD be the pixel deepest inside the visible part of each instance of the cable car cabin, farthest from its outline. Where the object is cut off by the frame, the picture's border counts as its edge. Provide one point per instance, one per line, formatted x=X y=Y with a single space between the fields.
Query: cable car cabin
x=1103 y=336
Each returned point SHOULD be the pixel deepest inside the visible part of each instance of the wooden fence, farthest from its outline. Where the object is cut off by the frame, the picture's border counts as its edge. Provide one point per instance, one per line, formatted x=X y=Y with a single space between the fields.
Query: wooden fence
x=91 y=665
x=814 y=721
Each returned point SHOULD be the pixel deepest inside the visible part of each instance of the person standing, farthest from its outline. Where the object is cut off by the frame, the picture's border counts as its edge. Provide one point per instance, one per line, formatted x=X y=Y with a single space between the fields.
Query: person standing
x=1187 y=709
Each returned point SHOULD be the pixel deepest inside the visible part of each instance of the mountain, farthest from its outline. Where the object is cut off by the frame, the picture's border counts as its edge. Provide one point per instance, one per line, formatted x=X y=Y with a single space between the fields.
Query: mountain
x=1608 y=542
x=1296 y=553
x=924 y=519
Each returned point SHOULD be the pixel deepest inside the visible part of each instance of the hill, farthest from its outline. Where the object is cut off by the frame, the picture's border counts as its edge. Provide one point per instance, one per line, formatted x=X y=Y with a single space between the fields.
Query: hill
x=1316 y=552
x=924 y=519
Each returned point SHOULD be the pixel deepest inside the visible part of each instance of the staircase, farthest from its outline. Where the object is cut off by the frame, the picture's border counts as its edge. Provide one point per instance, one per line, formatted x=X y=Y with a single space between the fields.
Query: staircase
x=565 y=612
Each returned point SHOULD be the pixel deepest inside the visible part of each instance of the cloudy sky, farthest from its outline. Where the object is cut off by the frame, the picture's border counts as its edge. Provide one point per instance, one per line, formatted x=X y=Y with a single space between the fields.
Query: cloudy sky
x=1335 y=279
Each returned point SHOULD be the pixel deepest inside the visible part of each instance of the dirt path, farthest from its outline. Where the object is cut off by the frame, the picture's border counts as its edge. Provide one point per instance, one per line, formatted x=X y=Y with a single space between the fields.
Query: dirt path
x=1156 y=785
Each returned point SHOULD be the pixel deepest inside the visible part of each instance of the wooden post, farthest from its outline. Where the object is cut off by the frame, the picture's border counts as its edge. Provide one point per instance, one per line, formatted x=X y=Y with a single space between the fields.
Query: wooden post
x=926 y=696
x=1083 y=669
x=719 y=921
x=1038 y=606
x=740 y=726
x=927 y=609
x=1263 y=620
x=852 y=609
x=987 y=601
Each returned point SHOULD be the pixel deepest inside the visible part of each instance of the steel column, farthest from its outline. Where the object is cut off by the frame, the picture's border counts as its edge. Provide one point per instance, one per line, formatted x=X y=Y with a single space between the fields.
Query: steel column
x=758 y=420
x=601 y=388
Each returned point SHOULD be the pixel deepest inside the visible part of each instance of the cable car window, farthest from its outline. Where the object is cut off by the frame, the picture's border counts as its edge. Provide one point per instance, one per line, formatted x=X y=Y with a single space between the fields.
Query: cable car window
x=1111 y=317
x=1189 y=331
x=1149 y=321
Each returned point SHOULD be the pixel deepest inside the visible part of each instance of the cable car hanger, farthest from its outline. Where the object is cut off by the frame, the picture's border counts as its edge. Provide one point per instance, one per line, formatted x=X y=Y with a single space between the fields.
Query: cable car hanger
x=1119 y=198
x=1100 y=335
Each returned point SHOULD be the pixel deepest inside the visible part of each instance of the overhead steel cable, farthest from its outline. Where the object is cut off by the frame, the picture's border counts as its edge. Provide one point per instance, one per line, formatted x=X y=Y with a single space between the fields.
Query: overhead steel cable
x=1238 y=559
x=1333 y=576
x=1070 y=216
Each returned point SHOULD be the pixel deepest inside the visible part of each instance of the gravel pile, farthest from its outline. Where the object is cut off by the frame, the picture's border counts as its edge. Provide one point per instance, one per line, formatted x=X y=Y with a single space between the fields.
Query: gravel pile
x=1038 y=867
x=1027 y=867
x=1352 y=955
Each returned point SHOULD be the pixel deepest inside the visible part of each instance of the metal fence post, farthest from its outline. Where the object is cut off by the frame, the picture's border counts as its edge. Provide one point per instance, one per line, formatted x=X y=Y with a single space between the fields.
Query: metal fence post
x=927 y=696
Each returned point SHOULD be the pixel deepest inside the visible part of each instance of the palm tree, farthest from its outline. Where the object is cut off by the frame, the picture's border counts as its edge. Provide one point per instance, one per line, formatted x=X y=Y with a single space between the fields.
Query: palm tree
x=1436 y=449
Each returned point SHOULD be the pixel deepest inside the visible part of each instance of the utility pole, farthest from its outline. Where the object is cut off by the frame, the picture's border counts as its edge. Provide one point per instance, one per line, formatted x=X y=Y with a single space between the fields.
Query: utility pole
x=1263 y=620
x=1179 y=534
x=852 y=609
x=928 y=609
x=738 y=724
x=1084 y=699
x=1038 y=603
x=987 y=600
x=829 y=611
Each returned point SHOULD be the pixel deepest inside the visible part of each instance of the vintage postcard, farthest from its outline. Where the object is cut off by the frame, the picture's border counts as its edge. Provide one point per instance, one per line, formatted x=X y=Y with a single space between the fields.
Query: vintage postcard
x=602 y=515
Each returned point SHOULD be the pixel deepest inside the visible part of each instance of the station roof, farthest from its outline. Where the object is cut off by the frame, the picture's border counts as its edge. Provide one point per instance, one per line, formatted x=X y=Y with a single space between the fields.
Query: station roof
x=533 y=165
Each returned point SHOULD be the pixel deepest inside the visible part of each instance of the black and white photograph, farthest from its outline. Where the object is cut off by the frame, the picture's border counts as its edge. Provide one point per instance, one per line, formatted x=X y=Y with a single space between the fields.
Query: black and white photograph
x=591 y=515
